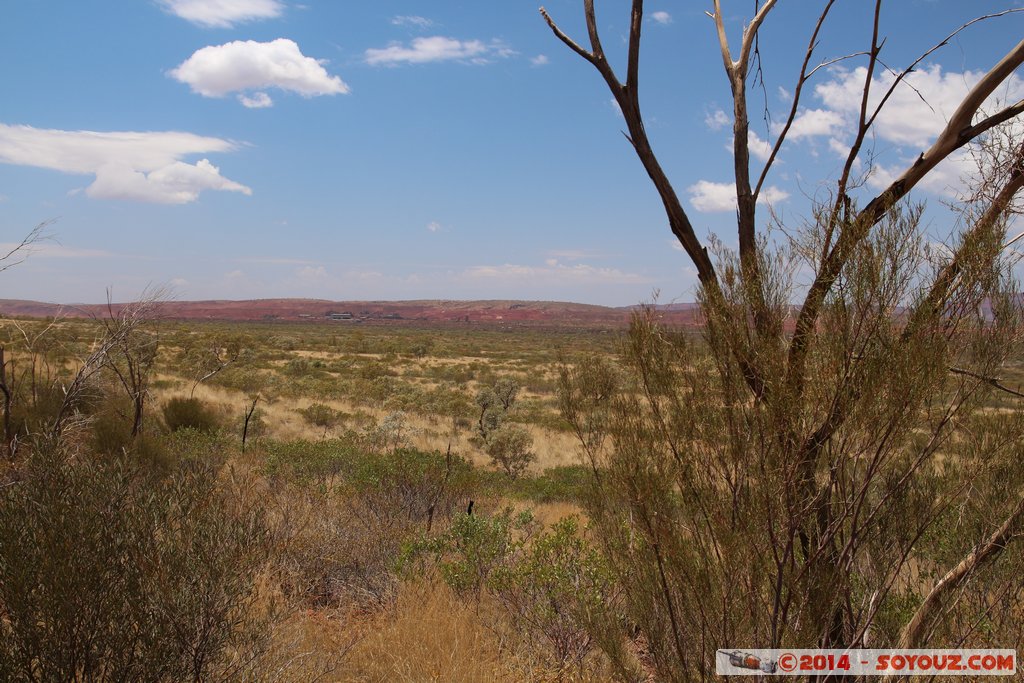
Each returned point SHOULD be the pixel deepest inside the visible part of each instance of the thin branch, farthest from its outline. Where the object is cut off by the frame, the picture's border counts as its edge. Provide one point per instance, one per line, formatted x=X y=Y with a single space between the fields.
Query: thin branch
x=751 y=31
x=572 y=44
x=993 y=381
x=938 y=293
x=804 y=76
x=957 y=133
x=36 y=234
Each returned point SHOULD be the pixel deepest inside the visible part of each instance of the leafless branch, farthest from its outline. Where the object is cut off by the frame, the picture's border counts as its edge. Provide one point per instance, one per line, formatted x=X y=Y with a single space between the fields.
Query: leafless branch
x=35 y=235
x=993 y=381
x=801 y=80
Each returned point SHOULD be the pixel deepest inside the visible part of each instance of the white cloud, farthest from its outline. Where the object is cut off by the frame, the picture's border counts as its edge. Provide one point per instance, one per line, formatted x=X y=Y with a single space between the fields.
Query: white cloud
x=759 y=148
x=434 y=226
x=709 y=197
x=662 y=17
x=539 y=60
x=223 y=13
x=717 y=120
x=259 y=100
x=412 y=20
x=914 y=115
x=553 y=272
x=436 y=49
x=135 y=166
x=240 y=66
x=811 y=122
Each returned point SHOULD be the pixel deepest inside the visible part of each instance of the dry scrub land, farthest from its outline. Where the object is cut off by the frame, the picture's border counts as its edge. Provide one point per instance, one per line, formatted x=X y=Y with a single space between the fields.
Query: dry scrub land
x=364 y=445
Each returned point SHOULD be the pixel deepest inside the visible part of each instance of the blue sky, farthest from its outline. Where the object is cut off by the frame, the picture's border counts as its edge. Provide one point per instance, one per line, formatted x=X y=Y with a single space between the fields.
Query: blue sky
x=408 y=150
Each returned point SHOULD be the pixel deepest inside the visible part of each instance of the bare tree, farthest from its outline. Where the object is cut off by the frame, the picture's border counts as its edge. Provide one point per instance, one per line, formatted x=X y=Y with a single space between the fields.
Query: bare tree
x=125 y=350
x=14 y=256
x=793 y=479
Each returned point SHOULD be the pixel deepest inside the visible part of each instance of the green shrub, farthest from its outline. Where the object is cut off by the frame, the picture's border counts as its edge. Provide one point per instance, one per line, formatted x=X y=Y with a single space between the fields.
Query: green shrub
x=191 y=413
x=322 y=415
x=319 y=463
x=342 y=542
x=510 y=448
x=413 y=485
x=569 y=483
x=472 y=548
x=553 y=589
x=110 y=573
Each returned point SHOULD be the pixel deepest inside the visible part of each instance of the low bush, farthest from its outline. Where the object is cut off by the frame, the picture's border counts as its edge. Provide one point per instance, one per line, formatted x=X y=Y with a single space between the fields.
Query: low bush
x=109 y=572
x=553 y=589
x=319 y=463
x=190 y=413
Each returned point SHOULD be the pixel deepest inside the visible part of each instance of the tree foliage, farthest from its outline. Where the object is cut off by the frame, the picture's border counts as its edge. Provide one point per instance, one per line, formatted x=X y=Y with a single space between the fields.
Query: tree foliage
x=790 y=477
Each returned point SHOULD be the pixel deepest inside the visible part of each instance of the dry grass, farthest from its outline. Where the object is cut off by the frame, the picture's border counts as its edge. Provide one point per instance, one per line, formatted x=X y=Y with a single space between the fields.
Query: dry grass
x=553 y=448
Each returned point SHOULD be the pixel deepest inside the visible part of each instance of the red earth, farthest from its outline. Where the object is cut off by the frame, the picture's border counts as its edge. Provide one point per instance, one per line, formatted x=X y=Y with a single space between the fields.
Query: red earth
x=319 y=311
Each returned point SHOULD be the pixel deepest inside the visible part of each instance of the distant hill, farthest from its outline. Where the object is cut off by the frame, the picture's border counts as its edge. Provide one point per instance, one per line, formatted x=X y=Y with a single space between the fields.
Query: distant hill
x=342 y=312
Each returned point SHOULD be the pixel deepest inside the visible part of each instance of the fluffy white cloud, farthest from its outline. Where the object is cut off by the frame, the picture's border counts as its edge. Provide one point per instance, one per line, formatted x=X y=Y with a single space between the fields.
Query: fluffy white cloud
x=917 y=110
x=912 y=118
x=717 y=120
x=436 y=49
x=759 y=148
x=259 y=100
x=662 y=17
x=539 y=60
x=811 y=122
x=710 y=197
x=553 y=272
x=412 y=20
x=241 y=66
x=434 y=226
x=223 y=13
x=128 y=165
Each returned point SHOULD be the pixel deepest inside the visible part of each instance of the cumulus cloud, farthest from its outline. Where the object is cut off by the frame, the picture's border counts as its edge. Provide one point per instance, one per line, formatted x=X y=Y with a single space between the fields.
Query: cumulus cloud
x=812 y=122
x=436 y=49
x=145 y=167
x=761 y=149
x=223 y=13
x=553 y=272
x=912 y=118
x=412 y=20
x=247 y=66
x=539 y=60
x=662 y=17
x=709 y=197
x=758 y=148
x=717 y=120
x=259 y=100
x=434 y=226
